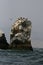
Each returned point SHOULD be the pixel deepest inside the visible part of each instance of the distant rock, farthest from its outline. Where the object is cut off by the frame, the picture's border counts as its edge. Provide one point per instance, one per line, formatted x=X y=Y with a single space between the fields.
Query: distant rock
x=3 y=41
x=20 y=36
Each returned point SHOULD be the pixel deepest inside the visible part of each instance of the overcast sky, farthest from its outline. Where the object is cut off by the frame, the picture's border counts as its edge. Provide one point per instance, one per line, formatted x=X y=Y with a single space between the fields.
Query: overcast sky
x=32 y=9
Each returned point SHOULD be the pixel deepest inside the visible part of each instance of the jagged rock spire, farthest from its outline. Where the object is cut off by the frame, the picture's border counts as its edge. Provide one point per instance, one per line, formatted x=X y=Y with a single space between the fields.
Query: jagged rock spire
x=21 y=31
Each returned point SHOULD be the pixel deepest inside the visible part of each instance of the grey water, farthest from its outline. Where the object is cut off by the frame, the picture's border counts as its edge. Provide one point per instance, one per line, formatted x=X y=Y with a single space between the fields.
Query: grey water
x=21 y=57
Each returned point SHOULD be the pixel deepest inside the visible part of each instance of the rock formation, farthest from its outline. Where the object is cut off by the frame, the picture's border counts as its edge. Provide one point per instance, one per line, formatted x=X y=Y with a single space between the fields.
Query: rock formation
x=20 y=35
x=3 y=41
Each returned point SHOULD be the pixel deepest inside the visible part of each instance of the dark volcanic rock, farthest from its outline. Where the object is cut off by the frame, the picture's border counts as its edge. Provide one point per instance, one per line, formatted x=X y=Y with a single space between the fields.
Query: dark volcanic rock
x=3 y=41
x=20 y=36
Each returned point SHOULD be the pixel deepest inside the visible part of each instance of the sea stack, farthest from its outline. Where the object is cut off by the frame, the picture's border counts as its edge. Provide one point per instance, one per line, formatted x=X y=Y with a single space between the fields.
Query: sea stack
x=3 y=41
x=20 y=35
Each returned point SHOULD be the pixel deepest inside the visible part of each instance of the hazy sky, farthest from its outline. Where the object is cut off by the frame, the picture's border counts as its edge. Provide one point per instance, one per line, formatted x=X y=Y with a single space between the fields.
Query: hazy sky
x=33 y=9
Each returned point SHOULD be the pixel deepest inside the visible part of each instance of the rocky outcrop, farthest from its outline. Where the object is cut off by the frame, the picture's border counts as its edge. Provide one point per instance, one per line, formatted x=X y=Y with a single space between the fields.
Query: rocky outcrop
x=3 y=41
x=20 y=36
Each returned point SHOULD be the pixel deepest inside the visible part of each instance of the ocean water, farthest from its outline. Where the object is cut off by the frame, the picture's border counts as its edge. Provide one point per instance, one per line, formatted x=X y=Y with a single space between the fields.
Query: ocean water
x=21 y=57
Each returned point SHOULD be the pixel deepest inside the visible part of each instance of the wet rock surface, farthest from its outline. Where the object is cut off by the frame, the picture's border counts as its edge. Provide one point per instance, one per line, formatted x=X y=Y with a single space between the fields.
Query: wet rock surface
x=20 y=35
x=3 y=41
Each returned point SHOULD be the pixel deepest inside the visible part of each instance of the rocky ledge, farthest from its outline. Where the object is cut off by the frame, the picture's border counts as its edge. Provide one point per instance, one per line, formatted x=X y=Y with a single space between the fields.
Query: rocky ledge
x=3 y=41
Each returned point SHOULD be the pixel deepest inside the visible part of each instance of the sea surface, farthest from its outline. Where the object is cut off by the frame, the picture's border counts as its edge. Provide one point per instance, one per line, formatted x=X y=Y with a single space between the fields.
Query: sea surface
x=21 y=57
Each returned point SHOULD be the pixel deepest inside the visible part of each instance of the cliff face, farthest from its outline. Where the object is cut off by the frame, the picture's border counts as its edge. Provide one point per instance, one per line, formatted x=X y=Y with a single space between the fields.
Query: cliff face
x=20 y=36
x=3 y=41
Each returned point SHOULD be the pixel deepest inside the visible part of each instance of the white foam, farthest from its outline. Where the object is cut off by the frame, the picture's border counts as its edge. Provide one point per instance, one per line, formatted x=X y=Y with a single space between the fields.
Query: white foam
x=1 y=32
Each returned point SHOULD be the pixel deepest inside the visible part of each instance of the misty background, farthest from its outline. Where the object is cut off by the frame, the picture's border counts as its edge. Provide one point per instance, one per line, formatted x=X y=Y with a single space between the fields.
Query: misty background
x=10 y=10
